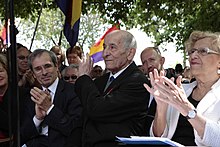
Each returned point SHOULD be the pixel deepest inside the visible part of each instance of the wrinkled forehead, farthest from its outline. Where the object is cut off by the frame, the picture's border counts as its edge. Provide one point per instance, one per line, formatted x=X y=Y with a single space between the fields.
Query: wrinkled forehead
x=42 y=59
x=115 y=35
x=150 y=53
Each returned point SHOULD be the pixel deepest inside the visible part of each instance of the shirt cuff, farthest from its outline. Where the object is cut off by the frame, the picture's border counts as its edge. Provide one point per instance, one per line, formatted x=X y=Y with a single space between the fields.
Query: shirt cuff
x=37 y=122
x=51 y=107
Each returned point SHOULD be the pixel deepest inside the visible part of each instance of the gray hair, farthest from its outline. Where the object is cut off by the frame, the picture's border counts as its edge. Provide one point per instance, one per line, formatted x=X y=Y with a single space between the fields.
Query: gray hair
x=129 y=40
x=198 y=35
x=71 y=66
x=39 y=52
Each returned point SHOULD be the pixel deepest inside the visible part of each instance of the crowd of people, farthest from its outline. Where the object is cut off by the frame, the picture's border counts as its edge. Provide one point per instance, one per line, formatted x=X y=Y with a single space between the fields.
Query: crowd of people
x=82 y=105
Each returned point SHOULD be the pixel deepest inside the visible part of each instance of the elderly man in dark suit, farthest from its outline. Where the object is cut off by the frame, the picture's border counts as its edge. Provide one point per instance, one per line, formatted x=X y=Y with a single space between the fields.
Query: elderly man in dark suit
x=54 y=109
x=115 y=104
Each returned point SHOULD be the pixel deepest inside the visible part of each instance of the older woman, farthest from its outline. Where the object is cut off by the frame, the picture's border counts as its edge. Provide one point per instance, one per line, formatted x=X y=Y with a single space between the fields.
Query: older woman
x=189 y=114
x=3 y=101
x=4 y=95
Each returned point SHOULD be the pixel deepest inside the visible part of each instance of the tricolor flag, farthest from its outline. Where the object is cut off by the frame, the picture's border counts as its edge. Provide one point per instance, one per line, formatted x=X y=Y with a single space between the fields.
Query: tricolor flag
x=97 y=48
x=4 y=33
x=72 y=11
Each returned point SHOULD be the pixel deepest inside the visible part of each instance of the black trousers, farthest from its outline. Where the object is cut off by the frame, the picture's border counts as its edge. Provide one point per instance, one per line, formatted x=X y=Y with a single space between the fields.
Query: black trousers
x=40 y=141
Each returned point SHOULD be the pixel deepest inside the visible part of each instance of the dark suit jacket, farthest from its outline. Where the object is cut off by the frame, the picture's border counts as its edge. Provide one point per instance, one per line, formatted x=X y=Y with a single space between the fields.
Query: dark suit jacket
x=61 y=120
x=119 y=111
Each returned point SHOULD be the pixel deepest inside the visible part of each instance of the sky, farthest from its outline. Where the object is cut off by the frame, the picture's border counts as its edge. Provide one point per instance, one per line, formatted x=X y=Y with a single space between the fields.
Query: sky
x=171 y=56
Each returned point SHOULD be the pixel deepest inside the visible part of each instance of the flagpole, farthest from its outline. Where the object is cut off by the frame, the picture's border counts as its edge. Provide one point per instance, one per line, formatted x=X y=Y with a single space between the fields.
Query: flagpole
x=37 y=23
x=13 y=88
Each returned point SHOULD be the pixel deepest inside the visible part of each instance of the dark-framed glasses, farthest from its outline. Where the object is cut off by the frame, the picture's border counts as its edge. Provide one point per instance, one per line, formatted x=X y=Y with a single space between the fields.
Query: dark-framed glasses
x=202 y=51
x=73 y=77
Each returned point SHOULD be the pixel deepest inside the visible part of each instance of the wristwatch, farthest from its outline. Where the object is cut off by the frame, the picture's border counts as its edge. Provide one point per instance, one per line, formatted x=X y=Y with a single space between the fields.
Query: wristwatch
x=191 y=114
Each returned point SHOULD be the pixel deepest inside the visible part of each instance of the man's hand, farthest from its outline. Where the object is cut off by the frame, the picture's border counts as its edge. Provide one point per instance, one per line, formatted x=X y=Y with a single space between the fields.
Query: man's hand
x=85 y=66
x=40 y=114
x=41 y=98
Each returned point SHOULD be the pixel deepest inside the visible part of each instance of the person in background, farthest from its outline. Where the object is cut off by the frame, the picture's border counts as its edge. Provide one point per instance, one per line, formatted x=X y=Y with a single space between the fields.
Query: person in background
x=189 y=113
x=5 y=137
x=170 y=72
x=25 y=75
x=151 y=59
x=60 y=57
x=74 y=55
x=178 y=70
x=70 y=73
x=4 y=115
x=96 y=72
x=53 y=111
x=114 y=104
x=187 y=76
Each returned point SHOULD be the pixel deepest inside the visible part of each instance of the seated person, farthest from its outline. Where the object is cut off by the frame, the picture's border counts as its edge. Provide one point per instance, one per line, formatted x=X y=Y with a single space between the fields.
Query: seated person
x=70 y=73
x=189 y=113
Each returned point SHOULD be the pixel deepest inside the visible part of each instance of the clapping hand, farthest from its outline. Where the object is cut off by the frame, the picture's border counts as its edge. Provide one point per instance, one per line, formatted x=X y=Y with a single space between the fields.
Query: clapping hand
x=85 y=66
x=42 y=101
x=155 y=78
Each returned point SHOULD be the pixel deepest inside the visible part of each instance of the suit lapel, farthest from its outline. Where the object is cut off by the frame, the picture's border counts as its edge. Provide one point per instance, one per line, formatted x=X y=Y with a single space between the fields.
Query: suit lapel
x=58 y=94
x=116 y=83
x=101 y=82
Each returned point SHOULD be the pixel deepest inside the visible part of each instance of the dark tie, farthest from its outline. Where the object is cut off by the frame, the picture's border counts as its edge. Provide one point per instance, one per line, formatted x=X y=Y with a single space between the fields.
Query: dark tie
x=43 y=125
x=109 y=81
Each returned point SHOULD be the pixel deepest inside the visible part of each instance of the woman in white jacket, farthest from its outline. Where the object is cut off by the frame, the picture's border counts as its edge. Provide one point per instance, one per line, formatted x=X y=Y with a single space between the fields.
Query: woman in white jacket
x=190 y=113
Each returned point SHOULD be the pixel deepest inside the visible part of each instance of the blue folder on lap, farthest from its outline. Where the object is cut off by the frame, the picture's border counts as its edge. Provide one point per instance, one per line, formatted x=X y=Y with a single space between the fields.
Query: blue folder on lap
x=140 y=140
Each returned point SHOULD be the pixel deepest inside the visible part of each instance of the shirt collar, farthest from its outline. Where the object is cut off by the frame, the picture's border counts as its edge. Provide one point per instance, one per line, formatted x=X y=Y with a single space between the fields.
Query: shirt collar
x=119 y=72
x=53 y=86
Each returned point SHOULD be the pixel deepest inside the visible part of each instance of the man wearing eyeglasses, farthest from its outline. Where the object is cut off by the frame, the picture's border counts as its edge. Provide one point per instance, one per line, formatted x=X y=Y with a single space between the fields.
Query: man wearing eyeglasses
x=54 y=109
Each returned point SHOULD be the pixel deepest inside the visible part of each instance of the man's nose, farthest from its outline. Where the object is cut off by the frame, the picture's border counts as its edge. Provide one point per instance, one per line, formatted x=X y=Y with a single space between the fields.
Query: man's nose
x=106 y=52
x=44 y=71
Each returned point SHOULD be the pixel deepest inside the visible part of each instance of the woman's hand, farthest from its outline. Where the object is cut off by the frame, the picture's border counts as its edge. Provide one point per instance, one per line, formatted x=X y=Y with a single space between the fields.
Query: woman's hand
x=156 y=78
x=174 y=95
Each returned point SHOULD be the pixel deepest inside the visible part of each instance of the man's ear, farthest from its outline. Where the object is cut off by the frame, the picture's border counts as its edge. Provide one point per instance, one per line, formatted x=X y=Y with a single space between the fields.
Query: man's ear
x=131 y=53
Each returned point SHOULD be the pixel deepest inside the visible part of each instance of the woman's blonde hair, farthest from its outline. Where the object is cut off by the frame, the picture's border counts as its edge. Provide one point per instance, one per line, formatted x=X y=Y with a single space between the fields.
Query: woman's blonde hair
x=198 y=35
x=4 y=61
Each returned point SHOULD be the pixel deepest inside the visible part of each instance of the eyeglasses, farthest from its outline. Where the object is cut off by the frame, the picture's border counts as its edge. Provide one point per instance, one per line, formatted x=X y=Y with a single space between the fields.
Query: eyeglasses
x=68 y=77
x=202 y=51
x=22 y=57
